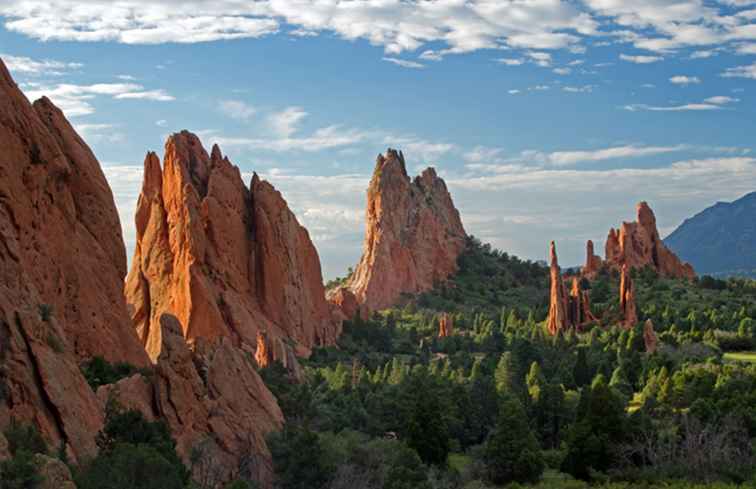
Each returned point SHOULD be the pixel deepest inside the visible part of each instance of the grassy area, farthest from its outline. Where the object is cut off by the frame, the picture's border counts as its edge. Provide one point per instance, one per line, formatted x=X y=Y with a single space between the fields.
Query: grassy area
x=459 y=461
x=741 y=356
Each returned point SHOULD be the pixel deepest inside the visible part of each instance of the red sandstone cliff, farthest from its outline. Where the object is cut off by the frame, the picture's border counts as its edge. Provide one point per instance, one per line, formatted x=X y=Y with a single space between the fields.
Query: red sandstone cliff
x=62 y=263
x=557 y=320
x=637 y=244
x=226 y=260
x=413 y=235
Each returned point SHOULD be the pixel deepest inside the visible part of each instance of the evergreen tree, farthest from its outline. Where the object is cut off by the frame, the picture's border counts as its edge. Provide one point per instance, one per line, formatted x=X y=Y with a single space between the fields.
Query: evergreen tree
x=511 y=453
x=582 y=372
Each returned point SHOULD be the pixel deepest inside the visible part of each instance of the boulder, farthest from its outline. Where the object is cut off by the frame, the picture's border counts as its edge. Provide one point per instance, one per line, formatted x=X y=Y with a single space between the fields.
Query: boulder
x=55 y=474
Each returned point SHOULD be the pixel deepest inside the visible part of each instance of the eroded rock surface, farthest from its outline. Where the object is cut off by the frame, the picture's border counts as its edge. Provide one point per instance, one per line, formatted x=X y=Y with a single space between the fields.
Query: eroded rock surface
x=637 y=244
x=62 y=263
x=413 y=235
x=445 y=325
x=228 y=261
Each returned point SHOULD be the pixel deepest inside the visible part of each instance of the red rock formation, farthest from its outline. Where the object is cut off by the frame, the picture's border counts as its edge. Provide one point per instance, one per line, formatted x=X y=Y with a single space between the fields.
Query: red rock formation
x=558 y=319
x=345 y=302
x=627 y=299
x=445 y=325
x=649 y=337
x=593 y=263
x=413 y=235
x=275 y=350
x=62 y=264
x=215 y=394
x=227 y=261
x=637 y=245
x=579 y=305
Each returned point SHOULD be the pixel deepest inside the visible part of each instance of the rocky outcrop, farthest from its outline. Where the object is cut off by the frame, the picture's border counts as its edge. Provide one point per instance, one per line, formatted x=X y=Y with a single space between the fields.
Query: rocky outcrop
x=413 y=235
x=566 y=309
x=593 y=263
x=214 y=394
x=270 y=350
x=579 y=305
x=637 y=244
x=445 y=325
x=55 y=474
x=649 y=337
x=62 y=263
x=226 y=260
x=346 y=303
x=558 y=320
x=627 y=299
x=4 y=449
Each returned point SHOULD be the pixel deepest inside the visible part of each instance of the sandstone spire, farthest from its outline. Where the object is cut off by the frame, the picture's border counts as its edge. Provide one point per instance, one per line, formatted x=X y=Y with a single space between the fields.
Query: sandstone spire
x=637 y=244
x=649 y=337
x=579 y=311
x=413 y=235
x=558 y=319
x=593 y=263
x=62 y=263
x=445 y=325
x=226 y=260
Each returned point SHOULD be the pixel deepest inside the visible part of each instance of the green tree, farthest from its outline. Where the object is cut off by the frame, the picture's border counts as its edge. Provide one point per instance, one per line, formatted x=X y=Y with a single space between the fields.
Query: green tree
x=298 y=459
x=511 y=453
x=129 y=466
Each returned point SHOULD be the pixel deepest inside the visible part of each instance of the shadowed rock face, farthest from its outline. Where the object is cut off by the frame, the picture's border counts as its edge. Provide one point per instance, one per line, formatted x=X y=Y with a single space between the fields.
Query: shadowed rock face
x=62 y=263
x=627 y=298
x=637 y=244
x=226 y=260
x=413 y=235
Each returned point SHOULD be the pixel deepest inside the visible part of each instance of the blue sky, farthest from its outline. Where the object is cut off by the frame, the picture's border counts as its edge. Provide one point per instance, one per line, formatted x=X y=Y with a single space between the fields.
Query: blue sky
x=548 y=119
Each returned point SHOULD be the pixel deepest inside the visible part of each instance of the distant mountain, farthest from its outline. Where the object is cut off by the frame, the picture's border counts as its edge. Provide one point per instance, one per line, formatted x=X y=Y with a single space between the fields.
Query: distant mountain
x=720 y=240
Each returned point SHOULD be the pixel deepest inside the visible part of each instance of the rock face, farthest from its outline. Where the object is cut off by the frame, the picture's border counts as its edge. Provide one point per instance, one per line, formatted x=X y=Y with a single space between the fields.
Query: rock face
x=226 y=260
x=345 y=301
x=445 y=325
x=649 y=337
x=558 y=319
x=637 y=244
x=62 y=263
x=212 y=399
x=413 y=235
x=627 y=298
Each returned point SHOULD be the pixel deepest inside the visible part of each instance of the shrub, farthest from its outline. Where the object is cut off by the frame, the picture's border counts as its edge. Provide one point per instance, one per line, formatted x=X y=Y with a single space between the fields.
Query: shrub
x=129 y=466
x=21 y=471
x=99 y=371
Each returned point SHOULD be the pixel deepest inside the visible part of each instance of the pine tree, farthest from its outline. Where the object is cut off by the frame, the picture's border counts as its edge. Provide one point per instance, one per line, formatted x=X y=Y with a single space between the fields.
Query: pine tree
x=511 y=453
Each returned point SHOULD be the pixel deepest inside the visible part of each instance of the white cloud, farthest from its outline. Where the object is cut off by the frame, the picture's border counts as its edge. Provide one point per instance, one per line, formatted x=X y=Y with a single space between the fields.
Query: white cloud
x=286 y=122
x=156 y=95
x=29 y=66
x=567 y=158
x=513 y=91
x=404 y=63
x=161 y=123
x=395 y=25
x=540 y=58
x=748 y=71
x=74 y=100
x=511 y=61
x=703 y=54
x=640 y=59
x=695 y=107
x=721 y=100
x=562 y=71
x=582 y=89
x=684 y=80
x=237 y=109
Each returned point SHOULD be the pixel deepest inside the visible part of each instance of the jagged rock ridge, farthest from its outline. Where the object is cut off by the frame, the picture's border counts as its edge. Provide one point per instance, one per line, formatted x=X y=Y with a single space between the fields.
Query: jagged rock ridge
x=413 y=236
x=226 y=260
x=637 y=244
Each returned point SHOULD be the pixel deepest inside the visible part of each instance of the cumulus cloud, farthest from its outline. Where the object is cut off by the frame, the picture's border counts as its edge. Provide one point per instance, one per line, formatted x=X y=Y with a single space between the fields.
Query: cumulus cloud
x=747 y=71
x=29 y=66
x=684 y=80
x=74 y=100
